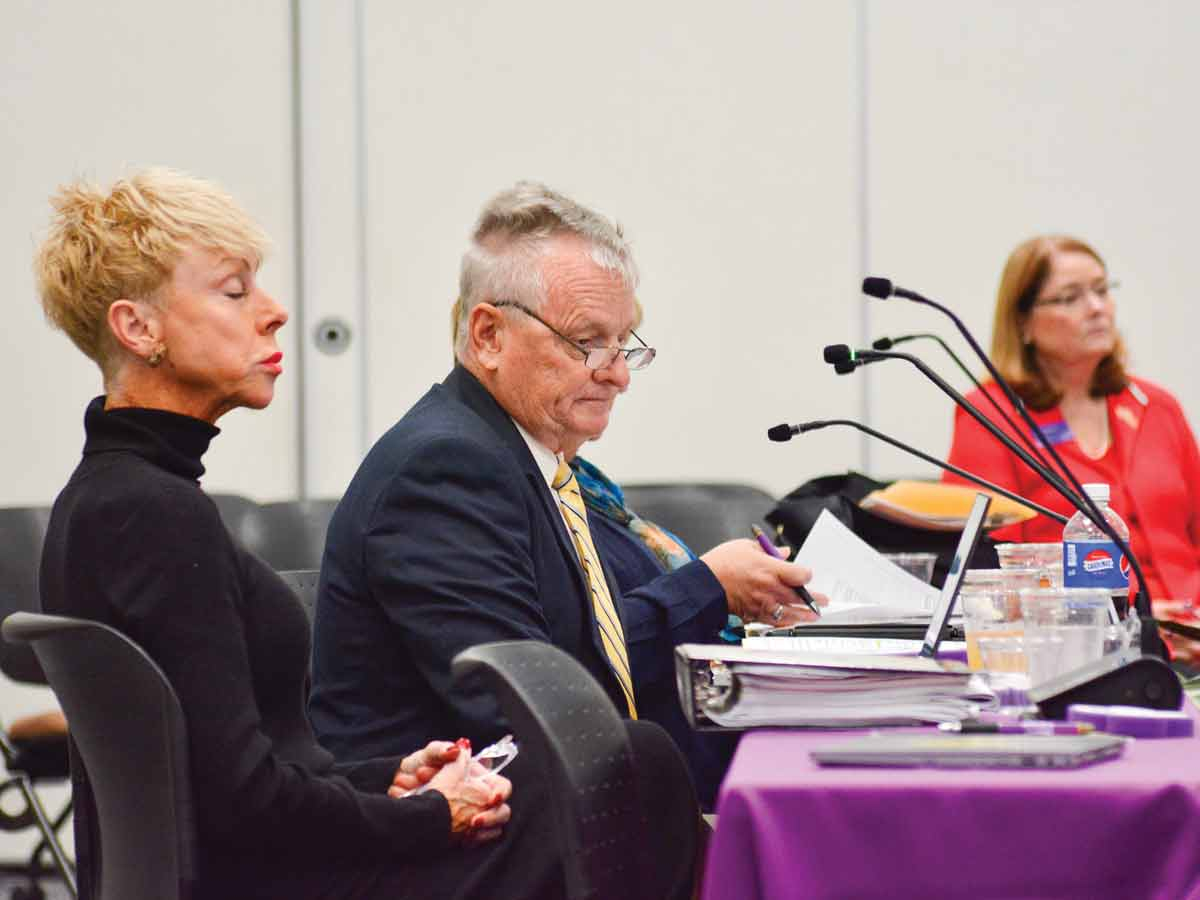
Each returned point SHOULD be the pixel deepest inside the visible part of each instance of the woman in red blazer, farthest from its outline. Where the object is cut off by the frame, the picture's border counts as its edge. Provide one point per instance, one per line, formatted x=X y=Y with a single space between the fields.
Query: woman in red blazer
x=1055 y=339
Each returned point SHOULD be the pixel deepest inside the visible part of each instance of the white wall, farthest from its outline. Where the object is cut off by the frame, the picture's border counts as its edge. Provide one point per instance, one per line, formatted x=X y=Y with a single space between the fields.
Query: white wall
x=723 y=142
x=990 y=127
x=96 y=90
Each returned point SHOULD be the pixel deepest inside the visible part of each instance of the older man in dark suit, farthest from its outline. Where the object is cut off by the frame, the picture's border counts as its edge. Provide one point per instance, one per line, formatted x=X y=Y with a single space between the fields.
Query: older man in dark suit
x=463 y=524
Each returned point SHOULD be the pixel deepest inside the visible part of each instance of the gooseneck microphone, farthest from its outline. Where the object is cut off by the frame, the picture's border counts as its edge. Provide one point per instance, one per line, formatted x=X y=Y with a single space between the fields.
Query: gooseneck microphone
x=887 y=343
x=879 y=288
x=852 y=359
x=836 y=353
x=882 y=288
x=844 y=359
x=785 y=432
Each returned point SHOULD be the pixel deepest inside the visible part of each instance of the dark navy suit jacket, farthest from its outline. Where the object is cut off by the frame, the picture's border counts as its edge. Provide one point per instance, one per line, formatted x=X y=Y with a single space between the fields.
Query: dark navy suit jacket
x=449 y=537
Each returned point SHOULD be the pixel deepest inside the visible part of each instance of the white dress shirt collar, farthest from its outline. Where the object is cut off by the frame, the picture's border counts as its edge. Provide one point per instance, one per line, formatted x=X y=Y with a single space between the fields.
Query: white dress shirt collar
x=547 y=461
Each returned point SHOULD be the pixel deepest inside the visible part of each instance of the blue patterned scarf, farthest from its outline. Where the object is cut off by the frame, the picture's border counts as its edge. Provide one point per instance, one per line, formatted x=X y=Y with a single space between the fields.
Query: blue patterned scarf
x=605 y=497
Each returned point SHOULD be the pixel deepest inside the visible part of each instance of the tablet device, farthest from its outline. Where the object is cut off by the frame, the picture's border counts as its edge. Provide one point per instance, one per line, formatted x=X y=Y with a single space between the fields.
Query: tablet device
x=972 y=751
x=967 y=543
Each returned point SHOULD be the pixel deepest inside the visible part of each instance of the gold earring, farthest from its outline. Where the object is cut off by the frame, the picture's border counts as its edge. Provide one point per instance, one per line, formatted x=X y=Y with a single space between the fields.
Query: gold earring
x=156 y=355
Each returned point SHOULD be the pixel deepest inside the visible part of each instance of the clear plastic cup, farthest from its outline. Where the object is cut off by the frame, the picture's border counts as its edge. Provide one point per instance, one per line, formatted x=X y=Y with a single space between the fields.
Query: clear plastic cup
x=1044 y=556
x=1065 y=629
x=919 y=565
x=990 y=600
x=1002 y=652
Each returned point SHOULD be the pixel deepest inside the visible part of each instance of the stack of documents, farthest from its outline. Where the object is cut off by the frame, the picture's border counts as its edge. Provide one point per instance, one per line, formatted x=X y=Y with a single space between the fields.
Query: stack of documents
x=847 y=643
x=736 y=688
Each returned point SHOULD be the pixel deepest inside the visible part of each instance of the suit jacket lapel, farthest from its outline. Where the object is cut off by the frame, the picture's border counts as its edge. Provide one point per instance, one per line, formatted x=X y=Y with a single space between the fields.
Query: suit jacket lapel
x=468 y=389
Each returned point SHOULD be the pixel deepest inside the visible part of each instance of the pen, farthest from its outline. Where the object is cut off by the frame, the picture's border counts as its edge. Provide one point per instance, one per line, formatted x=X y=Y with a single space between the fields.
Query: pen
x=1033 y=726
x=771 y=550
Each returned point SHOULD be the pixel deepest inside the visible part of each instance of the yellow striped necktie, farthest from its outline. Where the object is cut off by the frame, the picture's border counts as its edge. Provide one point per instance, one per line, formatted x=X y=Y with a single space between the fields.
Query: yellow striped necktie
x=612 y=636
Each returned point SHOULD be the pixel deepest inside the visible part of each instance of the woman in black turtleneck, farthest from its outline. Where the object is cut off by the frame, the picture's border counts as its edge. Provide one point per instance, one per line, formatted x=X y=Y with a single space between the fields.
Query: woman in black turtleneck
x=155 y=280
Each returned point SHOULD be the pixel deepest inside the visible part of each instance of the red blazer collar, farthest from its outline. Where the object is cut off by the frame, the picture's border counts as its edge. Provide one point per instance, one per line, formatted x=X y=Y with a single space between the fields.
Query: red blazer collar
x=1127 y=413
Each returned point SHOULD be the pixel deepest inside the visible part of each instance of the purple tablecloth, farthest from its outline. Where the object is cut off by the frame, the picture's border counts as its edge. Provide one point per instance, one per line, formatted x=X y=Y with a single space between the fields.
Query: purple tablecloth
x=788 y=828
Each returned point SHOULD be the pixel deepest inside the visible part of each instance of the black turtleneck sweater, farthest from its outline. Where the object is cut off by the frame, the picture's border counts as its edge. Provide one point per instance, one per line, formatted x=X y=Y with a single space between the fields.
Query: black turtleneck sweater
x=133 y=542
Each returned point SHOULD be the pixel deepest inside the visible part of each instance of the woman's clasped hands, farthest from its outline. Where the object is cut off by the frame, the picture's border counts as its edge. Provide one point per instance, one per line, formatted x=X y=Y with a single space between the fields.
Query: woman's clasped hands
x=478 y=797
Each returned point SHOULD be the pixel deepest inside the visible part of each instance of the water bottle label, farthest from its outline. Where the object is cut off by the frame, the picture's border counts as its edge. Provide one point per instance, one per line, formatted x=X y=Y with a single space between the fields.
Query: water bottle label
x=1094 y=564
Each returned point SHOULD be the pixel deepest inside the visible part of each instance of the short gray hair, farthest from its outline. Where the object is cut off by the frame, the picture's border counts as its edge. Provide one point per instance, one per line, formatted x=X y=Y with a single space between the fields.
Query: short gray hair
x=513 y=231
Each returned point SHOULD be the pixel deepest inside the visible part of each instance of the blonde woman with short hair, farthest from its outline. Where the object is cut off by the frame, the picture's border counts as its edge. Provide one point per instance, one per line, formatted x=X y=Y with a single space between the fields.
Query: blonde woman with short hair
x=156 y=280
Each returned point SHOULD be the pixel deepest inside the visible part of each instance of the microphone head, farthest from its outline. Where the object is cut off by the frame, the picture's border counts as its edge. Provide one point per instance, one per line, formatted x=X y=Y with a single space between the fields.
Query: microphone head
x=884 y=343
x=880 y=288
x=781 y=432
x=845 y=367
x=837 y=353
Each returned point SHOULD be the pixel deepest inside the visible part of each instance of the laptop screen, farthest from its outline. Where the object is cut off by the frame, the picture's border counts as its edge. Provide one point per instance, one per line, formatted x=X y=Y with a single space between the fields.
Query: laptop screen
x=958 y=565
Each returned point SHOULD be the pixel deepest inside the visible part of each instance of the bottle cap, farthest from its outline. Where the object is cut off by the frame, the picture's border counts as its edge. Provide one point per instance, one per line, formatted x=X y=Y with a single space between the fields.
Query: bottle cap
x=1098 y=492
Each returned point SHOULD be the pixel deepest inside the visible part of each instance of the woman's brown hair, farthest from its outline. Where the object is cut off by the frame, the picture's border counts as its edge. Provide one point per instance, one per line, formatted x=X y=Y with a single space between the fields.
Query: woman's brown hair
x=1024 y=275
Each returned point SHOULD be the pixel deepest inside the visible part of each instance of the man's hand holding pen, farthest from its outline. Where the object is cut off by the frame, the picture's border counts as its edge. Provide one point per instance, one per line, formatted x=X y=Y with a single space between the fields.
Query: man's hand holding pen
x=770 y=549
x=760 y=587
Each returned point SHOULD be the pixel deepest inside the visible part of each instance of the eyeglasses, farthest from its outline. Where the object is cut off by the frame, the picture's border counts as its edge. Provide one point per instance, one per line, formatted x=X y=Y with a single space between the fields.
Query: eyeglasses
x=493 y=758
x=595 y=358
x=1072 y=296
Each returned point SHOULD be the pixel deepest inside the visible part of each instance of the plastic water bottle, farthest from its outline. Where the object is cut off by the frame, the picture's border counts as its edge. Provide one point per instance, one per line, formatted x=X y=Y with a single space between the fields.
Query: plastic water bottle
x=1090 y=558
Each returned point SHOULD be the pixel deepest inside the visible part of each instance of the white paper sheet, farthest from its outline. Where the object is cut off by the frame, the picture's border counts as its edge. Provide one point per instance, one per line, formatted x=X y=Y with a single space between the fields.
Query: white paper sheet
x=861 y=585
x=832 y=643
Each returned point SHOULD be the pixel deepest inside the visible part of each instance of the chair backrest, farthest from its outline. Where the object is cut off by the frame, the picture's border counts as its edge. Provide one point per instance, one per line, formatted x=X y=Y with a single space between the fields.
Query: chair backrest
x=22 y=532
x=567 y=725
x=290 y=535
x=129 y=734
x=703 y=515
x=239 y=515
x=304 y=583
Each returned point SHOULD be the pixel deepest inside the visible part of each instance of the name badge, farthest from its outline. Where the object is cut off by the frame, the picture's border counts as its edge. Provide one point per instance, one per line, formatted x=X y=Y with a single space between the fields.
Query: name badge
x=1058 y=432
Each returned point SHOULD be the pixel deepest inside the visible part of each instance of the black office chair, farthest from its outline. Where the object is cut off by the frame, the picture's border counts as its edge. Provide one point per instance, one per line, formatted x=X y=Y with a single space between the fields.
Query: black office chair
x=290 y=535
x=240 y=515
x=23 y=764
x=35 y=748
x=22 y=532
x=135 y=822
x=567 y=725
x=303 y=583
x=703 y=515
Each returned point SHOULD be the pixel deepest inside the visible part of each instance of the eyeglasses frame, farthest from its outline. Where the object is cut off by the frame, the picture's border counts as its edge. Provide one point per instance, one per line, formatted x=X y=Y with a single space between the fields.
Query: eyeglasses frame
x=586 y=351
x=1068 y=299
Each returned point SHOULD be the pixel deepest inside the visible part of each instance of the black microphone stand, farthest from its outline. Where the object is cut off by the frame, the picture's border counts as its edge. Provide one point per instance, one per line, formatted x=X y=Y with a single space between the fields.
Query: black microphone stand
x=888 y=343
x=882 y=288
x=982 y=482
x=862 y=357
